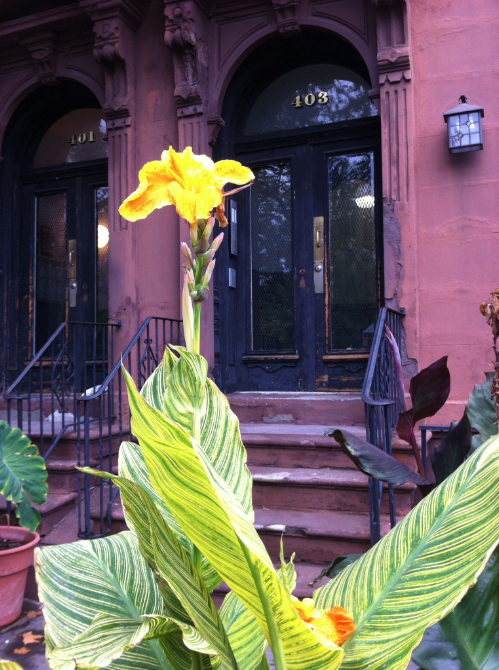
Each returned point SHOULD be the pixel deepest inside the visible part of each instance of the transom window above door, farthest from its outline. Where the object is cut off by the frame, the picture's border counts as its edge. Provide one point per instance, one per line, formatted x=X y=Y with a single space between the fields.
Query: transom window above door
x=74 y=138
x=307 y=96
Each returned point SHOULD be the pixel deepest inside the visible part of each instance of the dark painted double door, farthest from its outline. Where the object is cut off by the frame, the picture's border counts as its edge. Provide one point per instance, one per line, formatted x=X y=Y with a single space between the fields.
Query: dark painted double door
x=303 y=282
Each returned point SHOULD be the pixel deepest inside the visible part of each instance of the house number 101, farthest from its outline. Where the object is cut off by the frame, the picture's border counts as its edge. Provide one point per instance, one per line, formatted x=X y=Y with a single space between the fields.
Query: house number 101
x=82 y=138
x=310 y=99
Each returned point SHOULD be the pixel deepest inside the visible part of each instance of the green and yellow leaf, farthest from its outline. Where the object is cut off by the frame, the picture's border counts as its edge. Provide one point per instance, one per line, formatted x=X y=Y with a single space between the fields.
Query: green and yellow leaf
x=419 y=572
x=204 y=505
x=131 y=466
x=108 y=638
x=77 y=582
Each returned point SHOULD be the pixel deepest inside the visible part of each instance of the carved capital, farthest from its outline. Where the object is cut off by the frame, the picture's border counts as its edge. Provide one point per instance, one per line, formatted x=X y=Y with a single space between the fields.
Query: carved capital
x=188 y=51
x=286 y=14
x=215 y=124
x=113 y=20
x=44 y=56
x=393 y=59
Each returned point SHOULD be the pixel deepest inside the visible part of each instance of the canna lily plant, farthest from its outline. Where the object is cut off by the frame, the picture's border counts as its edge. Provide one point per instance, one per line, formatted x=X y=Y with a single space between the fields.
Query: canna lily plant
x=142 y=599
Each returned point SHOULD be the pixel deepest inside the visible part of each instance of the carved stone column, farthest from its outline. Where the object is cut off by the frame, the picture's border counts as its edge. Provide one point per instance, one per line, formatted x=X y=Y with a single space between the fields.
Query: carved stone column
x=185 y=30
x=397 y=127
x=184 y=34
x=114 y=27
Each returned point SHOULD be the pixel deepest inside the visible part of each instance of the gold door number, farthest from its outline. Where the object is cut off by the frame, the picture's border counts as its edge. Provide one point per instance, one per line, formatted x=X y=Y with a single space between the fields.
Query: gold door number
x=310 y=99
x=82 y=138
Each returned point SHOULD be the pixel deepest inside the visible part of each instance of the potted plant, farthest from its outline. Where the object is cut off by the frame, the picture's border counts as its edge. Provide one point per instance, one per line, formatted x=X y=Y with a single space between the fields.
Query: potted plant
x=23 y=480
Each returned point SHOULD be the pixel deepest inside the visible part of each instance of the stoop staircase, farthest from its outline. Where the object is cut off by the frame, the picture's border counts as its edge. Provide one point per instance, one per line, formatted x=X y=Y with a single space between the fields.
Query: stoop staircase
x=305 y=490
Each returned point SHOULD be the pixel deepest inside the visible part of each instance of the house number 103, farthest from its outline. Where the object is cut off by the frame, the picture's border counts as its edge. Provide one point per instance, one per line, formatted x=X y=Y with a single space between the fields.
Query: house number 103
x=82 y=138
x=310 y=99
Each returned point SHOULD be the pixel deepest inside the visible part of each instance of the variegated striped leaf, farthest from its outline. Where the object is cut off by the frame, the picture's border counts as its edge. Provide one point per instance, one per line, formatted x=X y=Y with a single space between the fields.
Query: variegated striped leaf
x=180 y=388
x=171 y=562
x=131 y=466
x=77 y=582
x=109 y=637
x=9 y=665
x=419 y=572
x=208 y=511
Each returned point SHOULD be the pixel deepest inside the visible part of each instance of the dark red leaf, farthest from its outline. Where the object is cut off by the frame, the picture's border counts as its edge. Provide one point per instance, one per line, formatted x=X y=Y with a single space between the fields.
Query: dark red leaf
x=405 y=425
x=429 y=390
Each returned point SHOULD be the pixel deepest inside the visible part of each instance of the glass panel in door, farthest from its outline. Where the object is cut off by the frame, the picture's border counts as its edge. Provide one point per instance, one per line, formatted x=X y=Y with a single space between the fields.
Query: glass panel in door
x=50 y=266
x=352 y=271
x=272 y=268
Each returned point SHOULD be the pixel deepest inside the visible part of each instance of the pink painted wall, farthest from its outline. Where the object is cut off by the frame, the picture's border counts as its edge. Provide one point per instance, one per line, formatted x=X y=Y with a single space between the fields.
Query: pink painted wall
x=454 y=51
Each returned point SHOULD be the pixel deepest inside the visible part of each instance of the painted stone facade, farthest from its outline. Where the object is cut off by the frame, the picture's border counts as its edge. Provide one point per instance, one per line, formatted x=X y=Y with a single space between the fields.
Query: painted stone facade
x=160 y=71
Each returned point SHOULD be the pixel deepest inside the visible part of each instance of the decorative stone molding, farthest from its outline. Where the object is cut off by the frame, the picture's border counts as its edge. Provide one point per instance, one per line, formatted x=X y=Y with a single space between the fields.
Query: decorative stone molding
x=188 y=52
x=215 y=123
x=286 y=13
x=113 y=24
x=44 y=56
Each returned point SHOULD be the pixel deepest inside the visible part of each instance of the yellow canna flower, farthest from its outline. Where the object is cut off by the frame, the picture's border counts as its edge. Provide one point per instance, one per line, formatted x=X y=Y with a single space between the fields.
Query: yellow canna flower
x=333 y=626
x=194 y=184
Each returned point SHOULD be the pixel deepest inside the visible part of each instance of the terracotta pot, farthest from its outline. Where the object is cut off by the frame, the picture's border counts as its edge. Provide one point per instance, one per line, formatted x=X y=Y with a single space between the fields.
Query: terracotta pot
x=14 y=564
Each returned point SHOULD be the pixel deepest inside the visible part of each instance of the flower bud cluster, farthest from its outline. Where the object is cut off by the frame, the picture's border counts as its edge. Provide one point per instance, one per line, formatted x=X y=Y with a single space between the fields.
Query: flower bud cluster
x=197 y=281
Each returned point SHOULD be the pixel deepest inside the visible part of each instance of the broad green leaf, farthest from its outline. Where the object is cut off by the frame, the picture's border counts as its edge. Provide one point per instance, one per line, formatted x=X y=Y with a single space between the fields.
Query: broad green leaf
x=109 y=637
x=425 y=565
x=131 y=466
x=373 y=461
x=481 y=411
x=468 y=637
x=9 y=665
x=78 y=581
x=172 y=563
x=23 y=475
x=206 y=508
x=453 y=450
x=154 y=388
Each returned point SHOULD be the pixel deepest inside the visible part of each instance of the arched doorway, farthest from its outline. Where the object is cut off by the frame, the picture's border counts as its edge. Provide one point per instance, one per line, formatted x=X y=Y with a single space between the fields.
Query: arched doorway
x=301 y=277
x=56 y=218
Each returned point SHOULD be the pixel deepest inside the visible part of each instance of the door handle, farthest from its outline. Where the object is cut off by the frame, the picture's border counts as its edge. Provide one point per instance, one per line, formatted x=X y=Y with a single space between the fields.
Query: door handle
x=73 y=290
x=319 y=254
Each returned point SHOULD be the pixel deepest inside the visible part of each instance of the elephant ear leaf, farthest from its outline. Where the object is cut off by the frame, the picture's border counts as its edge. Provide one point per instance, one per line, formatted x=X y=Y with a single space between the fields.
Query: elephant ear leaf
x=453 y=450
x=23 y=475
x=467 y=638
x=422 y=568
x=373 y=461
x=481 y=411
x=429 y=390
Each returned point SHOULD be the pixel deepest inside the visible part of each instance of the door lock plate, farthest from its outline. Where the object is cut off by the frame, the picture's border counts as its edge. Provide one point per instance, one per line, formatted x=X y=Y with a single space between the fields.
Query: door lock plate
x=319 y=254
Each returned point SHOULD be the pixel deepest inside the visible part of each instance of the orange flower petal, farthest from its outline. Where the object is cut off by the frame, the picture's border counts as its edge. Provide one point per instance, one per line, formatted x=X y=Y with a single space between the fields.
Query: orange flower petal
x=184 y=201
x=333 y=626
x=233 y=172
x=152 y=192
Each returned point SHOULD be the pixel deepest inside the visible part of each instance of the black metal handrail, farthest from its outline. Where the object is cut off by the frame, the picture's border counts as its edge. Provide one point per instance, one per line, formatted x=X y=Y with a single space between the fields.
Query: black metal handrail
x=76 y=355
x=383 y=403
x=102 y=423
x=77 y=369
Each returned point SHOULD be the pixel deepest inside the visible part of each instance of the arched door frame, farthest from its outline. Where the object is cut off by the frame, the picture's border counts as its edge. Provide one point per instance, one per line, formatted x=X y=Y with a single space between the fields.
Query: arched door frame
x=246 y=84
x=32 y=118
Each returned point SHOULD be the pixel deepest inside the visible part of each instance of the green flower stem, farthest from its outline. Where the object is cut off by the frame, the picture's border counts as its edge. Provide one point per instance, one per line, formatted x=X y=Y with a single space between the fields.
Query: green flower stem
x=275 y=638
x=197 y=327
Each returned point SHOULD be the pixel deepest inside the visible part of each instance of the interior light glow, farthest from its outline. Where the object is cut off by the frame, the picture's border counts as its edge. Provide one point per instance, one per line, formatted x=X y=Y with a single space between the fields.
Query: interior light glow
x=365 y=201
x=102 y=236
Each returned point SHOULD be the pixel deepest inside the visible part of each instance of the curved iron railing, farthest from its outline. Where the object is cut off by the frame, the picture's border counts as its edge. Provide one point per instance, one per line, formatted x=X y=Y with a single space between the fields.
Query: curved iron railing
x=78 y=372
x=383 y=404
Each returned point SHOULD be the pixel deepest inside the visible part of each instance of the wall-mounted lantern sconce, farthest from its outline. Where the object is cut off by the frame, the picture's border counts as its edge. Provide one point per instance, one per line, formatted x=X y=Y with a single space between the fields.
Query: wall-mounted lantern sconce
x=464 y=127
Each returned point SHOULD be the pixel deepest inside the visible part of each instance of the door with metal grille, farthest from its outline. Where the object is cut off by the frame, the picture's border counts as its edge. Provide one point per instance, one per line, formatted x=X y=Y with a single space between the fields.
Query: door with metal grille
x=68 y=217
